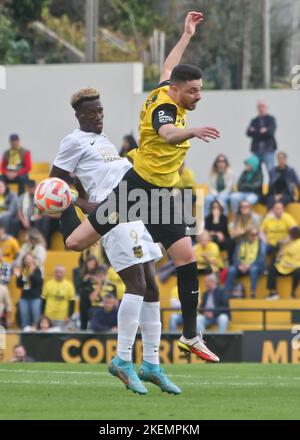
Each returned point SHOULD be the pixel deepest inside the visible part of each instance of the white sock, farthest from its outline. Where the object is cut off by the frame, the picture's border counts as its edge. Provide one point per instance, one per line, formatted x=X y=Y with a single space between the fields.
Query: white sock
x=151 y=330
x=128 y=322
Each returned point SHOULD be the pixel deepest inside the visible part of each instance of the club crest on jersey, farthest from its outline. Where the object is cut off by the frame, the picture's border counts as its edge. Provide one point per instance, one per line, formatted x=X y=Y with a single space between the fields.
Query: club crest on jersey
x=138 y=251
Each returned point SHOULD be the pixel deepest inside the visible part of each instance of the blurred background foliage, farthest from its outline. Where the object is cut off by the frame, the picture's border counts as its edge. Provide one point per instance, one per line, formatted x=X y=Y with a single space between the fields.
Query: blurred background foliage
x=126 y=28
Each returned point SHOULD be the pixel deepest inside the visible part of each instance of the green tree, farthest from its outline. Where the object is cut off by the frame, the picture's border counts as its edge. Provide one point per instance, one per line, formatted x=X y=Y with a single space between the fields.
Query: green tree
x=12 y=49
x=25 y=11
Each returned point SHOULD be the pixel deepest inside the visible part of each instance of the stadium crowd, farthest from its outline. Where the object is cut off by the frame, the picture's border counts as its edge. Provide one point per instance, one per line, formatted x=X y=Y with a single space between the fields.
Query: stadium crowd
x=236 y=242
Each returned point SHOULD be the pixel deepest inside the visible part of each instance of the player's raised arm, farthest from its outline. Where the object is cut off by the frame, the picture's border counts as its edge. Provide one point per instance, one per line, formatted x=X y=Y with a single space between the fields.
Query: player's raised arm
x=175 y=135
x=193 y=19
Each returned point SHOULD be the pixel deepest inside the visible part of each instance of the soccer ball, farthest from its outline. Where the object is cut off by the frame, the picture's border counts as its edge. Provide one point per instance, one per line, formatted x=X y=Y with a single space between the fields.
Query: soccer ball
x=52 y=196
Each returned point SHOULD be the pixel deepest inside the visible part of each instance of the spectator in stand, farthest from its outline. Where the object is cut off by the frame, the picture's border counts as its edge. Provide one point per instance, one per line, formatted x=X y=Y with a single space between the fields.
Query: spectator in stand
x=275 y=228
x=101 y=287
x=114 y=280
x=29 y=217
x=45 y=325
x=5 y=300
x=8 y=205
x=248 y=259
x=176 y=318
x=214 y=308
x=20 y=355
x=16 y=163
x=29 y=279
x=249 y=185
x=9 y=246
x=84 y=286
x=87 y=265
x=187 y=198
x=34 y=243
x=262 y=132
x=287 y=263
x=186 y=179
x=94 y=287
x=208 y=255
x=105 y=318
x=129 y=143
x=5 y=307
x=216 y=224
x=58 y=298
x=244 y=220
x=283 y=181
x=221 y=182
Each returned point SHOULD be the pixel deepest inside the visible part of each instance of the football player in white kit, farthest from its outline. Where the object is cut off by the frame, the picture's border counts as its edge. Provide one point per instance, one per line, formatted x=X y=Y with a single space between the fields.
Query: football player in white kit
x=88 y=153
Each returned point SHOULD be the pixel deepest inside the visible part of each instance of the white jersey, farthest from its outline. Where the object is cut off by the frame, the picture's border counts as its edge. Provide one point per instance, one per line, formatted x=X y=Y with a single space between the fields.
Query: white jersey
x=94 y=160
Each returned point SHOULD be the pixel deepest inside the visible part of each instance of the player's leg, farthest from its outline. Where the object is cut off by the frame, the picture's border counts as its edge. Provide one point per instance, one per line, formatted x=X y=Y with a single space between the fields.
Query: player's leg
x=127 y=249
x=184 y=258
x=77 y=236
x=150 y=325
x=128 y=322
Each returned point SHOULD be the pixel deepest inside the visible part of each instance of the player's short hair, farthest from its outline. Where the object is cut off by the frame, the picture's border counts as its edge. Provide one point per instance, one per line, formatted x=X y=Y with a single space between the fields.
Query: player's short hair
x=82 y=95
x=185 y=72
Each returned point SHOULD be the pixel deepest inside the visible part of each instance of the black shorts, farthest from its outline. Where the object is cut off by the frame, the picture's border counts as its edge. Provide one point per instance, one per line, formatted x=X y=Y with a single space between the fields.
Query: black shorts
x=163 y=230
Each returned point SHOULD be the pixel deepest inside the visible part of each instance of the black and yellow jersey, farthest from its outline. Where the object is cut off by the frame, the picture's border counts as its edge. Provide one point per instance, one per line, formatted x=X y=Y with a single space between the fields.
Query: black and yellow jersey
x=157 y=161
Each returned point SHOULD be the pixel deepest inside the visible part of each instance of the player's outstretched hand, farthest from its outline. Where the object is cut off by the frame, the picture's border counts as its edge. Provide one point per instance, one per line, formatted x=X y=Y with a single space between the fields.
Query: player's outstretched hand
x=206 y=133
x=193 y=19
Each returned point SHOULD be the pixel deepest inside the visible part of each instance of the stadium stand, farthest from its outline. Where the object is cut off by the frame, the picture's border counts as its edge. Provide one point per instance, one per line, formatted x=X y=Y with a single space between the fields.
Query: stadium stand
x=252 y=314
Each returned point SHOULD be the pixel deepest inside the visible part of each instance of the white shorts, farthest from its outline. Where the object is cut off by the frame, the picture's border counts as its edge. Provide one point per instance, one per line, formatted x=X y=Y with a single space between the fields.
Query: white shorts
x=128 y=244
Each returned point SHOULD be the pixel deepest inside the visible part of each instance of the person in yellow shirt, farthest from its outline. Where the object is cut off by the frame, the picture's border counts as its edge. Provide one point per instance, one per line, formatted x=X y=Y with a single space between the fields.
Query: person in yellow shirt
x=249 y=259
x=275 y=228
x=9 y=245
x=208 y=255
x=58 y=298
x=288 y=263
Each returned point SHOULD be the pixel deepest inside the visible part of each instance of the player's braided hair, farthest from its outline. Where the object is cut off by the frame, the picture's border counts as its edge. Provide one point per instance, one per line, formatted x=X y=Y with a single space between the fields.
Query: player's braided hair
x=85 y=94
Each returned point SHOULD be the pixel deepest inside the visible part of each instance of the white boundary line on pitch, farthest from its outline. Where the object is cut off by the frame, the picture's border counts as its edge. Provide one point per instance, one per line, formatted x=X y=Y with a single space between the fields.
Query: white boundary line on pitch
x=101 y=385
x=53 y=372
x=101 y=373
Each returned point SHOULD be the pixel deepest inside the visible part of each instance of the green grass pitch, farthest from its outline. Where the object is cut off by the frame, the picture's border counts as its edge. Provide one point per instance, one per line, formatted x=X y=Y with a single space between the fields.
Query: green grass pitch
x=82 y=391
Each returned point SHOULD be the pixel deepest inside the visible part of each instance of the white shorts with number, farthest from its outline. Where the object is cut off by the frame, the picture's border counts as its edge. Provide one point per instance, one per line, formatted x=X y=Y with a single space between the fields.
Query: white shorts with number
x=128 y=244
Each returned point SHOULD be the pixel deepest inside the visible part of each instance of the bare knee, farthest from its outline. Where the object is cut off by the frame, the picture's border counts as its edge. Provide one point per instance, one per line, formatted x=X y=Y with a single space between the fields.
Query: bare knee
x=182 y=252
x=73 y=244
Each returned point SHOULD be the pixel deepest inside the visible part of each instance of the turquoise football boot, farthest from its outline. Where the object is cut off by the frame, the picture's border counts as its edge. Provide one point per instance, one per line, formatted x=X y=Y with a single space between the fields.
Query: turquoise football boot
x=156 y=375
x=125 y=372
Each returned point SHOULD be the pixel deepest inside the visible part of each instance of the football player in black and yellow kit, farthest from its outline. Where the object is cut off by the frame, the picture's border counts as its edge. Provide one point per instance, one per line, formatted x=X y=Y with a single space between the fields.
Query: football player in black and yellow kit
x=164 y=142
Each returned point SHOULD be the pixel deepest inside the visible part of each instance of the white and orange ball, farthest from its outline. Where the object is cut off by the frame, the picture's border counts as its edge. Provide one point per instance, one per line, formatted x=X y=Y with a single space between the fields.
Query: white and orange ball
x=52 y=196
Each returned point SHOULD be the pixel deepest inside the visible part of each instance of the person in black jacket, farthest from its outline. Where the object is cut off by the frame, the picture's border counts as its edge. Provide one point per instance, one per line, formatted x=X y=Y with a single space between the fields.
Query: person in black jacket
x=29 y=279
x=105 y=318
x=262 y=132
x=216 y=224
x=283 y=181
x=214 y=308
